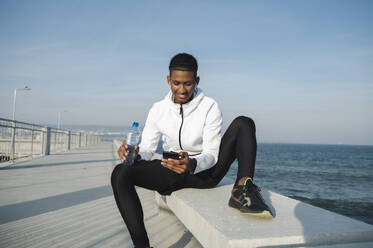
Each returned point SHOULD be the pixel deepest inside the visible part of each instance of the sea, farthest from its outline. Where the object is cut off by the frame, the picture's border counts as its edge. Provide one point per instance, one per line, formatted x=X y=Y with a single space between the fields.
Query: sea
x=338 y=178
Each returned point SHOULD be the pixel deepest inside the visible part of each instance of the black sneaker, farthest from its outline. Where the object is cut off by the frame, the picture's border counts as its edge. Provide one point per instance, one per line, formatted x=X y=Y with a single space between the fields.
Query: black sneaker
x=248 y=200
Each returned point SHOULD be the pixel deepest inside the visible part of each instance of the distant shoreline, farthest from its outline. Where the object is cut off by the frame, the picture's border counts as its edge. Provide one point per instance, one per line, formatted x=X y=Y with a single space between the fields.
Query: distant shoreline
x=120 y=131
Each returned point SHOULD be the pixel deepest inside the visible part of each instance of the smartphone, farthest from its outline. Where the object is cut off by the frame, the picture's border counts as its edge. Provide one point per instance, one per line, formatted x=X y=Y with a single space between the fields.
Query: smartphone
x=173 y=155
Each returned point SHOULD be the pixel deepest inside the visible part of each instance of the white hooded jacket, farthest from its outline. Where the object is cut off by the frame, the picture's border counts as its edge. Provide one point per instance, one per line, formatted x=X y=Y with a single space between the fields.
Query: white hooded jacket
x=198 y=123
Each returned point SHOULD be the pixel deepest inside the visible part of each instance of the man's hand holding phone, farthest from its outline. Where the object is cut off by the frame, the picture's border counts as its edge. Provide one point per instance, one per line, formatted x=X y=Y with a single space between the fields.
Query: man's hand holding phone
x=177 y=164
x=122 y=151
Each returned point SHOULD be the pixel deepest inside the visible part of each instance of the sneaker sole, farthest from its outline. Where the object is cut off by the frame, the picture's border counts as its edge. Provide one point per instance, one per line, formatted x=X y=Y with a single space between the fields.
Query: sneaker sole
x=262 y=214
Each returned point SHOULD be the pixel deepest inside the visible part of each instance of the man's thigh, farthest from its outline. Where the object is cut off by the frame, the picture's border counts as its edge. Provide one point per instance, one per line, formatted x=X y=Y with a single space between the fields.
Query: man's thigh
x=152 y=175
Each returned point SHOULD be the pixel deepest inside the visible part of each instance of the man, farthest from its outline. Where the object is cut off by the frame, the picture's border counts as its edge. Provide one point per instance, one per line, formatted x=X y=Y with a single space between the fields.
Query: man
x=189 y=123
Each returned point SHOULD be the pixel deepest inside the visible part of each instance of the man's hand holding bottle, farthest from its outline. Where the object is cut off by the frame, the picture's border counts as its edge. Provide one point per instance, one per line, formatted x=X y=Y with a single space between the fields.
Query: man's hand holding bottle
x=123 y=151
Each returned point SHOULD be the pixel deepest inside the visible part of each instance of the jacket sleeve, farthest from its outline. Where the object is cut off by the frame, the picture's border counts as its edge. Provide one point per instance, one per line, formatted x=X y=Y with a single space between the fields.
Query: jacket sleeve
x=211 y=139
x=150 y=136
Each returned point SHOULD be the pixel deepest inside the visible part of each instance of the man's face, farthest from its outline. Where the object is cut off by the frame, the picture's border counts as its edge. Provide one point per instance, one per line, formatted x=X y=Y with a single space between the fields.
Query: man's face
x=182 y=85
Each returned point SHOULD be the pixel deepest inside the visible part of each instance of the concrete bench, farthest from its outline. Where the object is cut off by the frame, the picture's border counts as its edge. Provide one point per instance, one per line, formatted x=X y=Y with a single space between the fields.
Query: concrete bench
x=206 y=214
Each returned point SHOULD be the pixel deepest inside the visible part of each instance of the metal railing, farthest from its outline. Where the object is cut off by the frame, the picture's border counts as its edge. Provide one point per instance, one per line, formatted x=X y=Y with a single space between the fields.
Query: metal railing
x=20 y=139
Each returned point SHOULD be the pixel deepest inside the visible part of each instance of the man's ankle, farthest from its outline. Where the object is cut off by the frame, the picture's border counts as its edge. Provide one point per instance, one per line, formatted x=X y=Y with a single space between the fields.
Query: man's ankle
x=240 y=182
x=243 y=180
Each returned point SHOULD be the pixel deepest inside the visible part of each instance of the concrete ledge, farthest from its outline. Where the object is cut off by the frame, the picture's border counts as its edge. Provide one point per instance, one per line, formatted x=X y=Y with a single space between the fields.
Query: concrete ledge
x=207 y=216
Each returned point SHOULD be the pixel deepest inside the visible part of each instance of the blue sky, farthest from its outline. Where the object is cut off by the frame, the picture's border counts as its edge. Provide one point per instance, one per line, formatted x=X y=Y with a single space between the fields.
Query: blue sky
x=301 y=69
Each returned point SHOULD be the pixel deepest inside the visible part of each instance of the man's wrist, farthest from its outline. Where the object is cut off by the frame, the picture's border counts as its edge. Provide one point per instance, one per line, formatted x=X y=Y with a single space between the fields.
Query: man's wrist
x=138 y=157
x=191 y=166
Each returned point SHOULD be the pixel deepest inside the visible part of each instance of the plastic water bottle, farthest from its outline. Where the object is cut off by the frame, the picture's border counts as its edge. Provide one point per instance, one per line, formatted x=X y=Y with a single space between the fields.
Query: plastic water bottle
x=133 y=139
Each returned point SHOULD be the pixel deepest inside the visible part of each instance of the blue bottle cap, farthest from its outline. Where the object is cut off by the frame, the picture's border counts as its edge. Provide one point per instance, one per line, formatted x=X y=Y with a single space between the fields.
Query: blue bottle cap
x=135 y=124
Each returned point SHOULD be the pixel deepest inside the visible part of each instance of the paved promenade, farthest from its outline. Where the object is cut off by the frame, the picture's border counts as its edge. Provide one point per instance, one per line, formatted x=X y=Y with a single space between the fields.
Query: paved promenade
x=65 y=200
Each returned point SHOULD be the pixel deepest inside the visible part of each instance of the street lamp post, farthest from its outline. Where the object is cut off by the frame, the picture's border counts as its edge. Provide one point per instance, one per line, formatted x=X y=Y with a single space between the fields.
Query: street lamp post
x=59 y=118
x=15 y=98
x=12 y=146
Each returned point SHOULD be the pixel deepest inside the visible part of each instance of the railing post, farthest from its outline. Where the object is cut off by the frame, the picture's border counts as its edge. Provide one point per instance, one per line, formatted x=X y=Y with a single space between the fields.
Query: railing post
x=32 y=142
x=80 y=140
x=13 y=140
x=42 y=136
x=42 y=139
x=46 y=140
x=86 y=140
x=53 y=143
x=68 y=140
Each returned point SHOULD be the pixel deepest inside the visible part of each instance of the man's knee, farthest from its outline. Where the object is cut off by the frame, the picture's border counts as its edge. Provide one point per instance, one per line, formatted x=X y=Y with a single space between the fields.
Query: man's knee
x=243 y=121
x=115 y=174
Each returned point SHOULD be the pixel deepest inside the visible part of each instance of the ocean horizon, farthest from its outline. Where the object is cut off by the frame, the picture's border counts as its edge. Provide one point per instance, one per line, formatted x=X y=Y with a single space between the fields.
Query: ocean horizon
x=119 y=132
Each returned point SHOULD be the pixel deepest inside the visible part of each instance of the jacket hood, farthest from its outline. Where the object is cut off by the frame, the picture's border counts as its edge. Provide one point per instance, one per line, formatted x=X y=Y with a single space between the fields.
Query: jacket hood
x=189 y=107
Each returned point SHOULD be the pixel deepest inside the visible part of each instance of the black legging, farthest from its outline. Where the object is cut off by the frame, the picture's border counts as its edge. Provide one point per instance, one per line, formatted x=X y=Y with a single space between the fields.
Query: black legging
x=239 y=141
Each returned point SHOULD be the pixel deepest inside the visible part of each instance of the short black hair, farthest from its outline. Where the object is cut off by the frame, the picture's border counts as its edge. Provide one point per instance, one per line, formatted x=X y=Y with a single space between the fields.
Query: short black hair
x=184 y=62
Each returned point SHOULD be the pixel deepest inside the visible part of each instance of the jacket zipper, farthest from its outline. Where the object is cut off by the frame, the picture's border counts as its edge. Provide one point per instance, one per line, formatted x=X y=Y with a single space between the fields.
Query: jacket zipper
x=182 y=121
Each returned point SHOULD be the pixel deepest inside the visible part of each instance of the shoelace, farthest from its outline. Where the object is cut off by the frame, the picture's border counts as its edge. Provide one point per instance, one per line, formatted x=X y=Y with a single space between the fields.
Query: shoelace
x=254 y=189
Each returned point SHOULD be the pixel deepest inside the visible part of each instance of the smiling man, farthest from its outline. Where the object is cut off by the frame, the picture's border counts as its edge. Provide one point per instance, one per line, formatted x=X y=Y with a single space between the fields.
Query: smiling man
x=182 y=85
x=188 y=122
